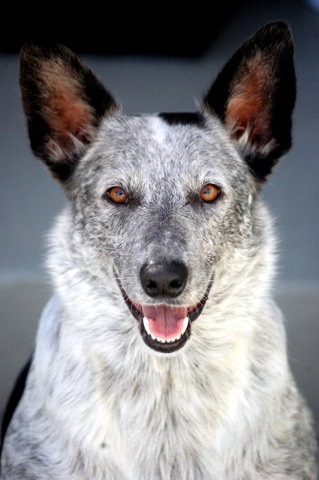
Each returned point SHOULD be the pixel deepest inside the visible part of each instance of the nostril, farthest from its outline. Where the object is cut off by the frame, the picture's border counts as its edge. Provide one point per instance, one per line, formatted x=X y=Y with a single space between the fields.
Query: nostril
x=175 y=284
x=164 y=279
x=151 y=285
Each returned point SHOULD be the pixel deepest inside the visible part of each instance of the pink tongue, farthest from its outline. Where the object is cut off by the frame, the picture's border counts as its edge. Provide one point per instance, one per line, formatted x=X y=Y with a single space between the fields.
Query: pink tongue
x=164 y=321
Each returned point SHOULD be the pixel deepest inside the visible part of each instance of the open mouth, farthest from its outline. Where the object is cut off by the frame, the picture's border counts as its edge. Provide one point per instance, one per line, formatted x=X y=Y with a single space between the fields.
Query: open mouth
x=165 y=328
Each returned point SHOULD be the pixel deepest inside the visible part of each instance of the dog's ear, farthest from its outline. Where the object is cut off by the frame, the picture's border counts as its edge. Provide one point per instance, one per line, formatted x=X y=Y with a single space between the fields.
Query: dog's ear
x=64 y=104
x=254 y=96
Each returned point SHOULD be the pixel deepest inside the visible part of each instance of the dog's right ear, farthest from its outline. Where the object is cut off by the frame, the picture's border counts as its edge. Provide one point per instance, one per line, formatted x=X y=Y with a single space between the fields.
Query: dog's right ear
x=64 y=104
x=254 y=96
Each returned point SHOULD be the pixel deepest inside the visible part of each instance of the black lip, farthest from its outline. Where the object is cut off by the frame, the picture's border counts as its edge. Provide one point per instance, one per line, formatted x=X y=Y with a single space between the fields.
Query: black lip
x=166 y=347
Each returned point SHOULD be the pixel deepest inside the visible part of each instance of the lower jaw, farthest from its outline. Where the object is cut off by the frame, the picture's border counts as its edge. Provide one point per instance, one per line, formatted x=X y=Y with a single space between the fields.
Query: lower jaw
x=165 y=346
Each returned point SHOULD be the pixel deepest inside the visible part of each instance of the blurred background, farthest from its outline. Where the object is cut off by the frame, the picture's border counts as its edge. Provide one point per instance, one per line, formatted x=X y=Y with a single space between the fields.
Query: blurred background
x=154 y=58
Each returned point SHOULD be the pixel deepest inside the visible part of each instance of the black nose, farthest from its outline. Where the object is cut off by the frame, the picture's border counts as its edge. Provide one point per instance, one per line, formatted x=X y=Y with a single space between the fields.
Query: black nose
x=166 y=279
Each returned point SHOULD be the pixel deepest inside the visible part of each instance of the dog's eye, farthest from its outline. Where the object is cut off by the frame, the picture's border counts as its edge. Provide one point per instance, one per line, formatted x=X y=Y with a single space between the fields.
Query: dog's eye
x=209 y=193
x=116 y=195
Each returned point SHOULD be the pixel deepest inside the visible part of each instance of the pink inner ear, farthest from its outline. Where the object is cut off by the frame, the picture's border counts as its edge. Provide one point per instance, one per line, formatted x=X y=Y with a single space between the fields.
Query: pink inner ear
x=67 y=115
x=66 y=112
x=248 y=109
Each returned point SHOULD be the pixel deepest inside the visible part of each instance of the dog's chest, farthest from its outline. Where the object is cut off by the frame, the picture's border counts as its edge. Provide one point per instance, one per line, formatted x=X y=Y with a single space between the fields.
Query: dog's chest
x=163 y=419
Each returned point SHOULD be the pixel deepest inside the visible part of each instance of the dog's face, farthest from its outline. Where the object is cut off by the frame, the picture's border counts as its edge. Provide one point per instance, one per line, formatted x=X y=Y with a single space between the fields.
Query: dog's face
x=164 y=201
x=158 y=200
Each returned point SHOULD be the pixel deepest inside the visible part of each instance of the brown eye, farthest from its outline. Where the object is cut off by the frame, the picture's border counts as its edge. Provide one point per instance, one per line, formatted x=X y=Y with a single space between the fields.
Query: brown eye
x=209 y=193
x=116 y=195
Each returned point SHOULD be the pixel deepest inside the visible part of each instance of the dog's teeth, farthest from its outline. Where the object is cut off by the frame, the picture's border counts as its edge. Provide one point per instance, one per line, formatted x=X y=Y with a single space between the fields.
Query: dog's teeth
x=147 y=326
x=171 y=340
x=185 y=324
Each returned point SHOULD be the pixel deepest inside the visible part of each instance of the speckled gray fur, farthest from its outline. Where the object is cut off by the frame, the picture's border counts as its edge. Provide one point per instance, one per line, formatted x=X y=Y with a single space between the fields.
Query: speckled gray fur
x=99 y=403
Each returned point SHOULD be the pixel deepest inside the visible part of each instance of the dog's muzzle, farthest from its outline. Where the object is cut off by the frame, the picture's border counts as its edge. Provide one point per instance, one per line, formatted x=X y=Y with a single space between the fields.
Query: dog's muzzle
x=164 y=327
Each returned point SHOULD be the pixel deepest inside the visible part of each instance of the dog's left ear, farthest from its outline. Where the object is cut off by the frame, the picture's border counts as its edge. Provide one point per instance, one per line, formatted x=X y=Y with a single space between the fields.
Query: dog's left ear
x=64 y=103
x=254 y=96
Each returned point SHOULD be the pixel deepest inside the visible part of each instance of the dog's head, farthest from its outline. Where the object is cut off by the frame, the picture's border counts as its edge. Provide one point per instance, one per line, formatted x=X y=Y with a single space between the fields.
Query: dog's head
x=168 y=200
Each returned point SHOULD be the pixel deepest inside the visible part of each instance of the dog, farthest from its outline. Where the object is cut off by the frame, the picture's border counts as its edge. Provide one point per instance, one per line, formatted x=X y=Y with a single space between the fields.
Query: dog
x=162 y=354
